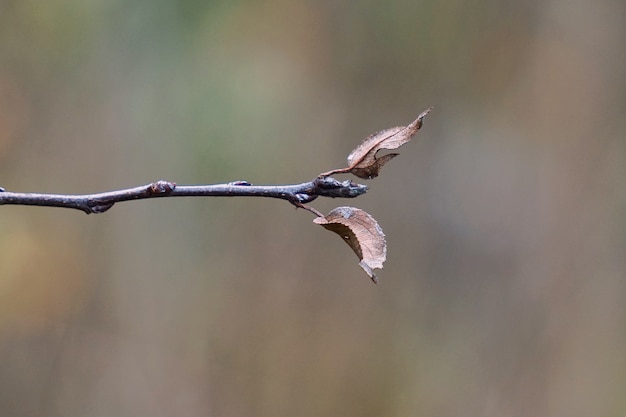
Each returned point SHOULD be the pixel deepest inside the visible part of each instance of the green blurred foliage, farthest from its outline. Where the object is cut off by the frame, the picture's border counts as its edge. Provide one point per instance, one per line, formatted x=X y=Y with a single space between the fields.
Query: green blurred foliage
x=503 y=293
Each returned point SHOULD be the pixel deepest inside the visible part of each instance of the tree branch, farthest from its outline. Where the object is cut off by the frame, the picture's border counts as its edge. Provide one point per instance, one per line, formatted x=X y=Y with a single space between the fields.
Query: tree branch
x=296 y=194
x=355 y=227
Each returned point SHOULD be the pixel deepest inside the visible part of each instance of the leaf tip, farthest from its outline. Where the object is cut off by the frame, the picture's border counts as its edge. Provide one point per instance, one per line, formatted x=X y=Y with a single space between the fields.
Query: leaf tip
x=369 y=271
x=422 y=115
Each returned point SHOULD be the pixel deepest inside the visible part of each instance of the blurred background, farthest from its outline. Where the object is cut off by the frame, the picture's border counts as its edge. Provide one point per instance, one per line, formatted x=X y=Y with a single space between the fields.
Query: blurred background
x=504 y=292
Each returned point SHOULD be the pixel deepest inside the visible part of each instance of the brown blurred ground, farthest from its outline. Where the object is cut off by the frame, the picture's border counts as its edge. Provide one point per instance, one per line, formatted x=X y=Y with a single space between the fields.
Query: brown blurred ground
x=504 y=292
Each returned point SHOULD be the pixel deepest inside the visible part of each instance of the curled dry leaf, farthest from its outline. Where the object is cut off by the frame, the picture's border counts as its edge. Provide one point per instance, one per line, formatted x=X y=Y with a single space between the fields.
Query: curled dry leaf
x=362 y=233
x=363 y=162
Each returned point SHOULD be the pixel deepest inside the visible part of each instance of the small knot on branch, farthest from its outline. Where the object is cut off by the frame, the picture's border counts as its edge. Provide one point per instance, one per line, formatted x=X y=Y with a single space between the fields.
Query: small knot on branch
x=243 y=183
x=162 y=187
x=98 y=208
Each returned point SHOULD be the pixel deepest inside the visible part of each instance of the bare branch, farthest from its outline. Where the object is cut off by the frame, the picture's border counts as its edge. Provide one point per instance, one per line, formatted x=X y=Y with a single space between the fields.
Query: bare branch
x=296 y=194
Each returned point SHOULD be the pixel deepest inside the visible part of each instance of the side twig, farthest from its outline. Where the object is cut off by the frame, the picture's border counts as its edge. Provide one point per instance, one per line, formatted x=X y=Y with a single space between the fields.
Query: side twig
x=296 y=194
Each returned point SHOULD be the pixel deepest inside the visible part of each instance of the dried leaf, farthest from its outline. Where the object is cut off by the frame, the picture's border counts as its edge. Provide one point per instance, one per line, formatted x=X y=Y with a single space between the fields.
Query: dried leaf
x=362 y=233
x=363 y=162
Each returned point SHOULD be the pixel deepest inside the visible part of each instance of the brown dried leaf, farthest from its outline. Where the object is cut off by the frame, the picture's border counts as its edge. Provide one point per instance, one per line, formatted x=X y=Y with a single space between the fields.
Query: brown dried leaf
x=362 y=233
x=362 y=161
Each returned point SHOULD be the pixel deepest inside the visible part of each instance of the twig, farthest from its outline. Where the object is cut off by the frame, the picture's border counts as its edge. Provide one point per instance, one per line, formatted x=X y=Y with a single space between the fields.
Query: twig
x=296 y=194
x=356 y=227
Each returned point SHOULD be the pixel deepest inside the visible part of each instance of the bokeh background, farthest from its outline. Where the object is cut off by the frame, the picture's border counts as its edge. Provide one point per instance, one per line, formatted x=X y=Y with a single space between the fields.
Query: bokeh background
x=504 y=292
